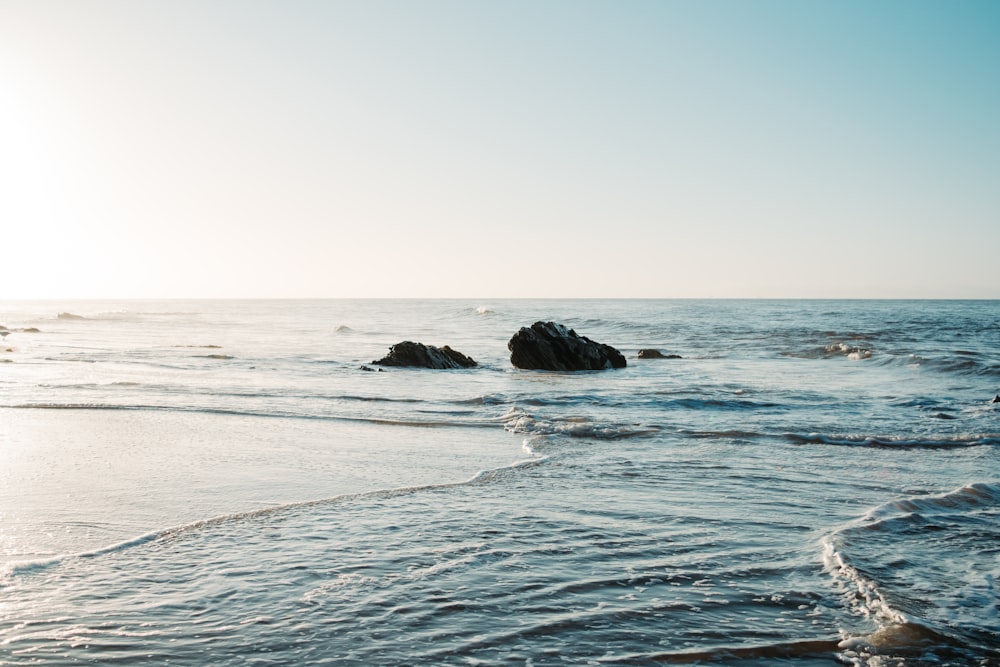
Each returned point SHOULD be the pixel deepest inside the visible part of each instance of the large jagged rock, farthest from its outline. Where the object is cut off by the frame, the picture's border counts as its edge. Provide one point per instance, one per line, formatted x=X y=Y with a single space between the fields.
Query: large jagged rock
x=550 y=346
x=419 y=355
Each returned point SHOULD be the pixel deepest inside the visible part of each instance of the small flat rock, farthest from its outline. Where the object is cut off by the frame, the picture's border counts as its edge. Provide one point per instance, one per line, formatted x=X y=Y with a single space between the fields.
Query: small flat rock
x=648 y=353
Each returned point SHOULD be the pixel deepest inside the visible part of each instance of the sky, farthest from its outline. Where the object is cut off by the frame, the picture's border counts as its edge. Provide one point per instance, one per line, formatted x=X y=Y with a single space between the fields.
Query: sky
x=488 y=149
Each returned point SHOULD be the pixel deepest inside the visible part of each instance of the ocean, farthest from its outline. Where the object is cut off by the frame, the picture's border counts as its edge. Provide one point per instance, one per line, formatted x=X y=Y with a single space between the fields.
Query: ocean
x=226 y=483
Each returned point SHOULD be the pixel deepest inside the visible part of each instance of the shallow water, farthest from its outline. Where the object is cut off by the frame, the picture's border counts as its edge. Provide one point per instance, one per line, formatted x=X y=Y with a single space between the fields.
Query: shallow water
x=222 y=483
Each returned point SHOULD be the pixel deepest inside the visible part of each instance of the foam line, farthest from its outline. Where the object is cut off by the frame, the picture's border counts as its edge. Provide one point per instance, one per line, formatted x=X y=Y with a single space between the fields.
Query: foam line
x=20 y=568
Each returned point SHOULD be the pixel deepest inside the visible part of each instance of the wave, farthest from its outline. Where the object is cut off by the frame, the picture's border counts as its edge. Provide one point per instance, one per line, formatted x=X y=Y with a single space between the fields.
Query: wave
x=806 y=648
x=894 y=442
x=586 y=326
x=135 y=360
x=958 y=362
x=972 y=496
x=12 y=569
x=273 y=414
x=126 y=315
x=651 y=402
x=179 y=389
x=732 y=433
x=833 y=350
x=961 y=364
x=895 y=567
x=574 y=427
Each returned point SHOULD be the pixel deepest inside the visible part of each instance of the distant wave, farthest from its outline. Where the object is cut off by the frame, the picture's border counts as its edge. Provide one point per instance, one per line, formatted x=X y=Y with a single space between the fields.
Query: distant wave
x=959 y=362
x=123 y=315
x=585 y=326
x=832 y=350
x=135 y=315
x=963 y=363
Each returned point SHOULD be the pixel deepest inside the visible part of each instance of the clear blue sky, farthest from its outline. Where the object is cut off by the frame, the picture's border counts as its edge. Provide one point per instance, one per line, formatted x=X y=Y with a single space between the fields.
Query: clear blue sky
x=499 y=149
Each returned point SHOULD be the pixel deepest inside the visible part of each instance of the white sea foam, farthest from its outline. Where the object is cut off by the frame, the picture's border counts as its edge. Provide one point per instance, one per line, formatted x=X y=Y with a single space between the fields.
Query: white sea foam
x=860 y=593
x=574 y=427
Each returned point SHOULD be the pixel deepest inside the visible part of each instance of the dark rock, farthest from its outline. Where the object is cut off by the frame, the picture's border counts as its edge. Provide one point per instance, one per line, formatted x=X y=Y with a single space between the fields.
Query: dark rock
x=552 y=347
x=996 y=399
x=656 y=354
x=408 y=353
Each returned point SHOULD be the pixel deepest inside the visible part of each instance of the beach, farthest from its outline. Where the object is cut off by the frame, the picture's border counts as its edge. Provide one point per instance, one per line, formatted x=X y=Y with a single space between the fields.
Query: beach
x=224 y=482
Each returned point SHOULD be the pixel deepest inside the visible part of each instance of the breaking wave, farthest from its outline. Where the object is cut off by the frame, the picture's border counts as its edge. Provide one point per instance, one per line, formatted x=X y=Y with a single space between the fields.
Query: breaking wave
x=517 y=421
x=920 y=576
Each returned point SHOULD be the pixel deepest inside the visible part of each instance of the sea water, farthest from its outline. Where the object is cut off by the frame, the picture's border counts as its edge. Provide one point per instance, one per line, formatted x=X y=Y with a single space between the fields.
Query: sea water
x=227 y=483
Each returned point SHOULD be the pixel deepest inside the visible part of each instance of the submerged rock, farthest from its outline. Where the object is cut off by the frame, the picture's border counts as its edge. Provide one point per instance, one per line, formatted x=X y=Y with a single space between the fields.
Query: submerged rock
x=419 y=355
x=648 y=353
x=550 y=346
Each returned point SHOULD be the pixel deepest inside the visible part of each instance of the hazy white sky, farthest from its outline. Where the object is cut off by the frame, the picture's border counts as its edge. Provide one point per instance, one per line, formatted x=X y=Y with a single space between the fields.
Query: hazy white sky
x=499 y=149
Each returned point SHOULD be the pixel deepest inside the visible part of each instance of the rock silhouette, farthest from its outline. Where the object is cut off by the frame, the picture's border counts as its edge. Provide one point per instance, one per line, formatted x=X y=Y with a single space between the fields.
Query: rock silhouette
x=419 y=355
x=554 y=347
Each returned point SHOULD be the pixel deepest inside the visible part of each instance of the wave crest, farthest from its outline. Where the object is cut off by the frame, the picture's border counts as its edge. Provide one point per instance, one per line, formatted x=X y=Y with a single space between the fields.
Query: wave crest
x=899 y=571
x=573 y=427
